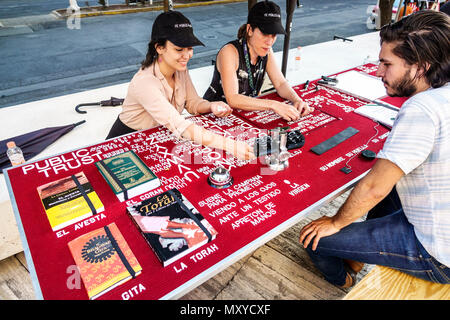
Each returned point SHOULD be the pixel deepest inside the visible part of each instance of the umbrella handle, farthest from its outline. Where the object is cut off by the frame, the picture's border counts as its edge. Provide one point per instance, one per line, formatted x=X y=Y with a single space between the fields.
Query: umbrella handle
x=78 y=123
x=77 y=108
x=341 y=38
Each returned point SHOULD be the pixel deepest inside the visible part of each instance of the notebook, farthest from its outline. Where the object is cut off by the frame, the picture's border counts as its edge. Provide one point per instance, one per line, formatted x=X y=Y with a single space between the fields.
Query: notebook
x=361 y=85
x=380 y=113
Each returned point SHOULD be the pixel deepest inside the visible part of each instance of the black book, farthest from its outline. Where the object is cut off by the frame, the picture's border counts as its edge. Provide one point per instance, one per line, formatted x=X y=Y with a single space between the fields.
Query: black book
x=171 y=225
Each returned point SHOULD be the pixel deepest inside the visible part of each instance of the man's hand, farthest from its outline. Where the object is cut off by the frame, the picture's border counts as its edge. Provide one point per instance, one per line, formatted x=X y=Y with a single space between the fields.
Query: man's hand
x=367 y=193
x=322 y=227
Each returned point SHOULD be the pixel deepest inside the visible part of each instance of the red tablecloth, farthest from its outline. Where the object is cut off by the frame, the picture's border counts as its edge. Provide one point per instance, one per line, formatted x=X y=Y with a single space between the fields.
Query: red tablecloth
x=258 y=201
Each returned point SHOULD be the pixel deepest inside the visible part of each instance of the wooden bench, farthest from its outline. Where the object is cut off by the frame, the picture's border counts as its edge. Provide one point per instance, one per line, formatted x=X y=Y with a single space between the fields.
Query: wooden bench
x=383 y=283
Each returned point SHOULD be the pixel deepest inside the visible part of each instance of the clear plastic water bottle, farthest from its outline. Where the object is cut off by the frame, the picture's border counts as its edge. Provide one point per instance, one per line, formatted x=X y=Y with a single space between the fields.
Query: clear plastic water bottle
x=298 y=58
x=14 y=153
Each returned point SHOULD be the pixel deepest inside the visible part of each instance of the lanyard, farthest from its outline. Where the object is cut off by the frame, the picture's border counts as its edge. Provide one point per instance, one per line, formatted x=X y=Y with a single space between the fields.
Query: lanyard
x=249 y=70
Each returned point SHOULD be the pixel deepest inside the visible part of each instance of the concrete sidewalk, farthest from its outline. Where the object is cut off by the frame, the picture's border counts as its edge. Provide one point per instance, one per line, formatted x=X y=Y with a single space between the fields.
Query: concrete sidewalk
x=44 y=56
x=23 y=24
x=138 y=7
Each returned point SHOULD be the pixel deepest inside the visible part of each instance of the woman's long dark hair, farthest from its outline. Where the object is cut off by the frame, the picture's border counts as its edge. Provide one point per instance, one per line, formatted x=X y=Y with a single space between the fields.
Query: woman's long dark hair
x=152 y=54
x=423 y=38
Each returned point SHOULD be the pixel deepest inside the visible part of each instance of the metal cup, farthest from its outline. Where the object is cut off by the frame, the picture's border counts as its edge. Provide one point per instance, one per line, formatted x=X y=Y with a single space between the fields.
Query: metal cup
x=278 y=159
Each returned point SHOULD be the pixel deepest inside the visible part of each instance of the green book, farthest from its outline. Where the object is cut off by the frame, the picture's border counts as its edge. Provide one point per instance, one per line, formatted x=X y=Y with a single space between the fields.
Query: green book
x=127 y=175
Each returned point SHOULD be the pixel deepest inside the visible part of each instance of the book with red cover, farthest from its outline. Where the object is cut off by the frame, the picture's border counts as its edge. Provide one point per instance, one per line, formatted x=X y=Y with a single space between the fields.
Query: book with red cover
x=104 y=260
x=172 y=226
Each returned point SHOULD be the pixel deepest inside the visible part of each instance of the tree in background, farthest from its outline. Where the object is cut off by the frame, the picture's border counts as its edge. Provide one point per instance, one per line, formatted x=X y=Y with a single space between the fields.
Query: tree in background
x=385 y=11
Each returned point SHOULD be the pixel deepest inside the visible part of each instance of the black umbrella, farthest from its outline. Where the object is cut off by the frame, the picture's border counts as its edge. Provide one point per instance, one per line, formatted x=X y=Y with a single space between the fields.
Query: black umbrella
x=32 y=143
x=104 y=103
x=290 y=7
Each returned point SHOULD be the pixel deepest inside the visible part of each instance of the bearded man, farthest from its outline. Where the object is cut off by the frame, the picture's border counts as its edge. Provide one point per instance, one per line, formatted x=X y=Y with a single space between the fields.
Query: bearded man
x=406 y=194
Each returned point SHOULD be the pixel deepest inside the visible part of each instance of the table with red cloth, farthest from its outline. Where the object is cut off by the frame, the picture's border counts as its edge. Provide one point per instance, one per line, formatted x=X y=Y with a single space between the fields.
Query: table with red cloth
x=259 y=205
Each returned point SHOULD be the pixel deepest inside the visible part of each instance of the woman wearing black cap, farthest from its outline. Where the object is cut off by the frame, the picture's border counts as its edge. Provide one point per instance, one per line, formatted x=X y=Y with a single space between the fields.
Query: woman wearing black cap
x=242 y=63
x=162 y=89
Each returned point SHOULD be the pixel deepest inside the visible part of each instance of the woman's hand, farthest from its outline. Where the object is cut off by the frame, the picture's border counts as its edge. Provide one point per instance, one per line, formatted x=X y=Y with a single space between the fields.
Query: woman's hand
x=240 y=149
x=220 y=109
x=284 y=110
x=302 y=107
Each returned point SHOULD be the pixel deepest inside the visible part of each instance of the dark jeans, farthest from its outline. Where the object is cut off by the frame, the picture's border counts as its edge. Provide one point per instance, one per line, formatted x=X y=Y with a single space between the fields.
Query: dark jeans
x=386 y=238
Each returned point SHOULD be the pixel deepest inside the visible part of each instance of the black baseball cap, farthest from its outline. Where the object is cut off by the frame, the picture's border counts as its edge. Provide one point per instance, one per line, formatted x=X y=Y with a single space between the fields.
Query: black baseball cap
x=175 y=27
x=266 y=15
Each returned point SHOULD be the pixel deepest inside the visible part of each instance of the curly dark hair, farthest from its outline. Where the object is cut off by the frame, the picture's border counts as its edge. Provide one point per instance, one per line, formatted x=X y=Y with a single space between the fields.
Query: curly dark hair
x=423 y=38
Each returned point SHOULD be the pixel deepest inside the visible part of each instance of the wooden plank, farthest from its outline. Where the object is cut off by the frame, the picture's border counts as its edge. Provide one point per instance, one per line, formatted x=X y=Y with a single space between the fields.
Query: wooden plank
x=211 y=288
x=245 y=285
x=384 y=283
x=288 y=242
x=10 y=242
x=15 y=281
x=21 y=257
x=303 y=279
x=268 y=275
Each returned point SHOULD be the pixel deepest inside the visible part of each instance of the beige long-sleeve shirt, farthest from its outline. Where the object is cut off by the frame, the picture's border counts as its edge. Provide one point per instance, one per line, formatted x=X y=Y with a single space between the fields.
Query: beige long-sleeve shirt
x=151 y=102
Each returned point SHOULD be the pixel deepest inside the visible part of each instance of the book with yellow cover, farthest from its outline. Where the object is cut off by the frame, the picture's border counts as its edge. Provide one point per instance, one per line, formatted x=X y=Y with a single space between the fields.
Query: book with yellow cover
x=104 y=260
x=69 y=200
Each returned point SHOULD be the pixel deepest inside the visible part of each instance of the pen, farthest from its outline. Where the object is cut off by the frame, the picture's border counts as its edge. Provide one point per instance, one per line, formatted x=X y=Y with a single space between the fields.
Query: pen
x=326 y=82
x=306 y=85
x=328 y=79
